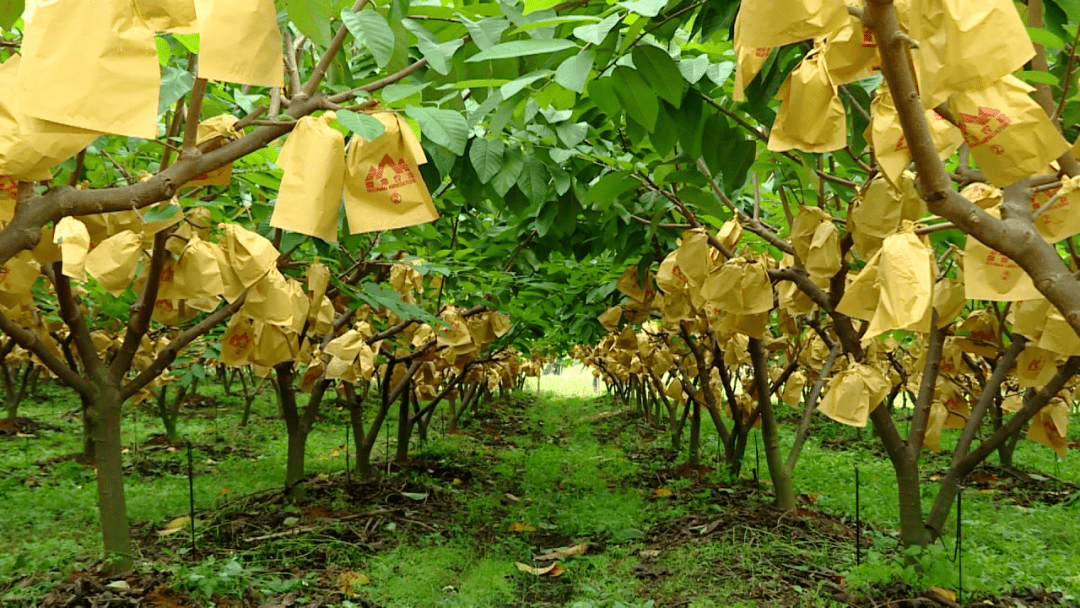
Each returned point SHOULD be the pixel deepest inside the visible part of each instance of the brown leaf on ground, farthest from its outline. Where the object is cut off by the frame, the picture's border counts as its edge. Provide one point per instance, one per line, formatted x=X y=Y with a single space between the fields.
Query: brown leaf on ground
x=562 y=552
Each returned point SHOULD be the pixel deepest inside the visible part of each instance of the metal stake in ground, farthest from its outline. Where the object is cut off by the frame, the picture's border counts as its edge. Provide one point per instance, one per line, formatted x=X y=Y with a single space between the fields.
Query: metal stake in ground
x=858 y=521
x=191 y=493
x=960 y=544
x=347 y=453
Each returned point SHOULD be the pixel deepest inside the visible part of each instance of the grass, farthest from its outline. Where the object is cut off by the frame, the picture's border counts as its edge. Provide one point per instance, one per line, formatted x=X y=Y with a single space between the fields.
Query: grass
x=569 y=466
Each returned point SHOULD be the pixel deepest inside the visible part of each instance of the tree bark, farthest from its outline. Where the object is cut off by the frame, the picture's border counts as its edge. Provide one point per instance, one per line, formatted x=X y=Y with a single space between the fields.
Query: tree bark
x=104 y=410
x=780 y=474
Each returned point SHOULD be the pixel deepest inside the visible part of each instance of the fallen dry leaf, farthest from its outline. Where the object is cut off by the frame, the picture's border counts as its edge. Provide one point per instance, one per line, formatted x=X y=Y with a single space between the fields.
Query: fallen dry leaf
x=517 y=526
x=648 y=553
x=175 y=526
x=349 y=580
x=552 y=570
x=661 y=492
x=562 y=553
x=942 y=592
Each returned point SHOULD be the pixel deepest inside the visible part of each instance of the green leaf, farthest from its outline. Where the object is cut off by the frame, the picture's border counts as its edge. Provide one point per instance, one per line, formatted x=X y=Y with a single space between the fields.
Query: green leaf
x=647 y=8
x=364 y=125
x=438 y=54
x=312 y=18
x=637 y=96
x=609 y=188
x=554 y=21
x=602 y=93
x=10 y=11
x=486 y=33
x=720 y=72
x=521 y=48
x=574 y=72
x=534 y=179
x=188 y=41
x=513 y=162
x=1047 y=39
x=397 y=92
x=373 y=29
x=487 y=157
x=539 y=5
x=546 y=218
x=693 y=69
x=160 y=213
x=596 y=33
x=658 y=69
x=514 y=87
x=1037 y=76
x=444 y=127
x=572 y=134
x=164 y=51
x=175 y=83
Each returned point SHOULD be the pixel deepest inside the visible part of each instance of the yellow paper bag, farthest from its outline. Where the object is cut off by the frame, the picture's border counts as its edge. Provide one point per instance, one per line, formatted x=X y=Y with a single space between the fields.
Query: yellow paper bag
x=212 y=134
x=610 y=318
x=1062 y=218
x=250 y=256
x=728 y=235
x=851 y=52
x=817 y=242
x=793 y=388
x=989 y=275
x=347 y=346
x=74 y=241
x=983 y=195
x=166 y=15
x=852 y=394
x=875 y=215
x=1050 y=426
x=670 y=277
x=26 y=152
x=739 y=287
x=1008 y=133
x=1029 y=317
x=888 y=140
x=273 y=345
x=692 y=257
x=897 y=285
x=112 y=263
x=17 y=278
x=1035 y=366
x=979 y=334
x=965 y=46
x=198 y=271
x=641 y=293
x=383 y=186
x=91 y=65
x=811 y=117
x=240 y=42
x=310 y=194
x=949 y=300
x=1058 y=336
x=269 y=301
x=749 y=61
x=772 y=24
x=934 y=424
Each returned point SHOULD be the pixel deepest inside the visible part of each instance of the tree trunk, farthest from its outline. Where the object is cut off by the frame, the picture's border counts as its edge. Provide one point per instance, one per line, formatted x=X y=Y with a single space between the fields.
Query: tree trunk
x=404 y=431
x=89 y=451
x=695 y=435
x=780 y=474
x=913 y=530
x=104 y=410
x=297 y=434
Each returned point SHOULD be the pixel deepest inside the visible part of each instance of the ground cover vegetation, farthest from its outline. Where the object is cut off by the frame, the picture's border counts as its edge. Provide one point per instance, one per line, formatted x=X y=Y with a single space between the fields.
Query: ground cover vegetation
x=523 y=479
x=403 y=210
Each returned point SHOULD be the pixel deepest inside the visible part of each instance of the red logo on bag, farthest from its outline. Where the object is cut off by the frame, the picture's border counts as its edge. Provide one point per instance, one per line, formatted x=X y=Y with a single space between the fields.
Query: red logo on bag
x=1035 y=365
x=239 y=341
x=1005 y=275
x=164 y=304
x=996 y=259
x=400 y=176
x=868 y=38
x=9 y=187
x=762 y=51
x=167 y=274
x=982 y=127
x=395 y=198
